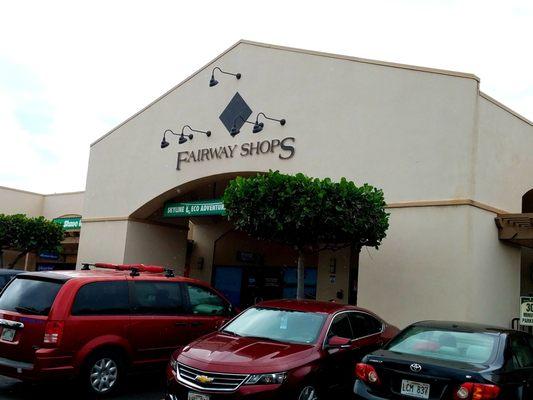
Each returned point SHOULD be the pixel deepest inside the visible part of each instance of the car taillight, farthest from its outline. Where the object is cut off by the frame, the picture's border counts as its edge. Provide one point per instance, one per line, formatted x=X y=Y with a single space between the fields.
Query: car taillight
x=367 y=373
x=476 y=391
x=53 y=332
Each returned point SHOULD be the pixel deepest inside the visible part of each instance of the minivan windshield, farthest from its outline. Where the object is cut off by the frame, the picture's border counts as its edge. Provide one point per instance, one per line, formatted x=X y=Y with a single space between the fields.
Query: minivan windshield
x=468 y=347
x=29 y=296
x=278 y=325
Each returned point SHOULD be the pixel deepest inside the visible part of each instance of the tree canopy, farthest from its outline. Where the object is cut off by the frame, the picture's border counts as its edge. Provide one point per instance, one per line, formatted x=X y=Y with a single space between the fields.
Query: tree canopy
x=309 y=214
x=25 y=235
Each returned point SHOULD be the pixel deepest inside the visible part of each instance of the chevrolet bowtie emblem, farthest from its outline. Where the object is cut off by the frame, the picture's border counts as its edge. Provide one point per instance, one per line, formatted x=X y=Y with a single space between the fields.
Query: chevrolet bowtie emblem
x=203 y=379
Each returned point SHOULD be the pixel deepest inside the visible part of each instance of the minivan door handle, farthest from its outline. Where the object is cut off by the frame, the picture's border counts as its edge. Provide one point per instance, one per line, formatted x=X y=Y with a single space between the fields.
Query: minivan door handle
x=181 y=324
x=196 y=324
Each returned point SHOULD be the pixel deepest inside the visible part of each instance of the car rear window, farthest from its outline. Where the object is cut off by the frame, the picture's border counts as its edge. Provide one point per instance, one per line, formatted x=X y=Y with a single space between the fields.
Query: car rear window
x=30 y=296
x=469 y=347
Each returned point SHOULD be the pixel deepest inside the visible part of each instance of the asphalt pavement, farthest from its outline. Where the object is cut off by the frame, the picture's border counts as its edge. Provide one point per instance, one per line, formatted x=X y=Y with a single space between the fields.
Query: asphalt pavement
x=146 y=386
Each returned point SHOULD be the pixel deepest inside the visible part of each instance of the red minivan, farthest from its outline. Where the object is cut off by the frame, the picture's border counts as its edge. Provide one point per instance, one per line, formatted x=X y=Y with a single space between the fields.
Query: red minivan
x=284 y=349
x=97 y=324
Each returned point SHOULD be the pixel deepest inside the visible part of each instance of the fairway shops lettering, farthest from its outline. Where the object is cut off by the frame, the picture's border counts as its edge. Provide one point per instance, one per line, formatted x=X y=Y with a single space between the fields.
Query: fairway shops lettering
x=284 y=148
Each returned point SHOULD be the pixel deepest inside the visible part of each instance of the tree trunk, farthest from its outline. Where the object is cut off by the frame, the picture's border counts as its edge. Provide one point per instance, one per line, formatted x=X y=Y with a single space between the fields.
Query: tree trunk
x=16 y=260
x=353 y=279
x=300 y=290
x=1 y=258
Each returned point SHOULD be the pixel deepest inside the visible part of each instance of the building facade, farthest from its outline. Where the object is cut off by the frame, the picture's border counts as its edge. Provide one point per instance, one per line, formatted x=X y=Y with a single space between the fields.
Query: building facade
x=64 y=208
x=449 y=158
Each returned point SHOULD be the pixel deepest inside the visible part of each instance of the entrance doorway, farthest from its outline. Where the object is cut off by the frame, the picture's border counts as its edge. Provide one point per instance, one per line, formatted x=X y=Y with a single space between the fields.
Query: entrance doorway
x=248 y=271
x=248 y=285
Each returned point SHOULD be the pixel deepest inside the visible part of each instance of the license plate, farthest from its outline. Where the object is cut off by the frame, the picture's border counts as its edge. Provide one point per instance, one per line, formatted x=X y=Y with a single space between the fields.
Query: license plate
x=8 y=335
x=197 y=396
x=415 y=389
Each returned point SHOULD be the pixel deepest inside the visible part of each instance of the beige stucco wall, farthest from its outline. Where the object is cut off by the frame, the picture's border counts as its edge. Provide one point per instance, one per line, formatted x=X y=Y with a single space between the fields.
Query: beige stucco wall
x=441 y=263
x=418 y=125
x=13 y=201
x=155 y=245
x=420 y=135
x=61 y=204
x=503 y=158
x=102 y=242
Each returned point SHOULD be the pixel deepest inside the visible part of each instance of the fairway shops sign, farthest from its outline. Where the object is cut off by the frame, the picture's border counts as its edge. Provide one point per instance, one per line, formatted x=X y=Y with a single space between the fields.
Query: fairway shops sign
x=194 y=208
x=284 y=148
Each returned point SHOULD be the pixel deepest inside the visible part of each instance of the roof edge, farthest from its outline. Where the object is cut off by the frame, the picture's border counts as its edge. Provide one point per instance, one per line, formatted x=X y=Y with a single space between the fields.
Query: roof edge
x=64 y=193
x=40 y=194
x=21 y=191
x=295 y=50
x=167 y=92
x=505 y=108
x=365 y=60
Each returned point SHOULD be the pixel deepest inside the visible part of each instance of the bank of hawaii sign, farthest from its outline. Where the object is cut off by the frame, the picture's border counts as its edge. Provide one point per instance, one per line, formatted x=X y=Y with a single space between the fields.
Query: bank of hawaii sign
x=194 y=208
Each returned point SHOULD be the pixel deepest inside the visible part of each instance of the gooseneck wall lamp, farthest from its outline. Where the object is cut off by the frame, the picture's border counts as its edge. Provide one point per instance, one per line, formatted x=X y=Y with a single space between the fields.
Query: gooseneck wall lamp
x=258 y=126
x=214 y=82
x=182 y=137
x=234 y=129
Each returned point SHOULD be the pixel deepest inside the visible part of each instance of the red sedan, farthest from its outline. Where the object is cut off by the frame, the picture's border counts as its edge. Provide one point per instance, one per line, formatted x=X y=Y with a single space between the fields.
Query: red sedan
x=284 y=349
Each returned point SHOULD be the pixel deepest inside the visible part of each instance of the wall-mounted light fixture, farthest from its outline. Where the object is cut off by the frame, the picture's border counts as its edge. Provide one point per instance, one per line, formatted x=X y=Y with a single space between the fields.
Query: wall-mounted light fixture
x=258 y=126
x=200 y=263
x=182 y=137
x=333 y=265
x=235 y=130
x=214 y=82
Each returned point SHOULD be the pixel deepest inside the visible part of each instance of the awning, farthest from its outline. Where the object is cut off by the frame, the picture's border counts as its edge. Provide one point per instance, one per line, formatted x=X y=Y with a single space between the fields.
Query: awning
x=516 y=229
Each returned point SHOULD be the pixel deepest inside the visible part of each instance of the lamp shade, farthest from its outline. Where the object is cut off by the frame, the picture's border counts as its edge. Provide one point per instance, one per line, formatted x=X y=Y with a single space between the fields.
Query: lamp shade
x=258 y=127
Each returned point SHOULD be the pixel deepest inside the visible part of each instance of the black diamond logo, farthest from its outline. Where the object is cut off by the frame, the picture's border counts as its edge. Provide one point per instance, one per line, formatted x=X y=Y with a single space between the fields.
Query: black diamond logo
x=235 y=113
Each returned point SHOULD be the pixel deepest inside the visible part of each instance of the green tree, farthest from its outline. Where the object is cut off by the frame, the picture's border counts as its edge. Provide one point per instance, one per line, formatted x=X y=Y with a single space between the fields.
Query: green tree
x=26 y=235
x=306 y=213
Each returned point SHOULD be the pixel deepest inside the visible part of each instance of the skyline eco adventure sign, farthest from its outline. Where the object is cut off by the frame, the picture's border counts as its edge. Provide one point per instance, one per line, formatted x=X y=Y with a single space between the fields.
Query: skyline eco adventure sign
x=284 y=148
x=194 y=208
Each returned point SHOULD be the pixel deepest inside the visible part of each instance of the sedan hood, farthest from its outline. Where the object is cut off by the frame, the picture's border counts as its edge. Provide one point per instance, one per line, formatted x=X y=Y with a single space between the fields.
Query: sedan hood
x=220 y=352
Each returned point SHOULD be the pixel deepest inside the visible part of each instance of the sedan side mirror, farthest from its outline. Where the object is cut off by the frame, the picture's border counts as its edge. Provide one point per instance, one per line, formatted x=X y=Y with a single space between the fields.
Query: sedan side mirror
x=337 y=342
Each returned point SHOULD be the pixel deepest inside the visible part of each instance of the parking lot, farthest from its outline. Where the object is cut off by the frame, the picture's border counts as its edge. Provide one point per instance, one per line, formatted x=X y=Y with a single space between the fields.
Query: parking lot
x=149 y=387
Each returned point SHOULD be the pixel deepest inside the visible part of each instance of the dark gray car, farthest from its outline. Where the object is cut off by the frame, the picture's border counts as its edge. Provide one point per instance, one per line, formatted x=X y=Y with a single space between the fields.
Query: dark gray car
x=6 y=275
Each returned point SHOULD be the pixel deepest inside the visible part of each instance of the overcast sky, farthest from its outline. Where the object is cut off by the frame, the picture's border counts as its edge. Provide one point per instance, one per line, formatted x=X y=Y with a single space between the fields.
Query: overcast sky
x=70 y=71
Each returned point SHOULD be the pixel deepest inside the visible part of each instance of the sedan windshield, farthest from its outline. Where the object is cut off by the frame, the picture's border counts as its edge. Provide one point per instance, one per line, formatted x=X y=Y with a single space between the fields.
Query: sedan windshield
x=278 y=325
x=469 y=347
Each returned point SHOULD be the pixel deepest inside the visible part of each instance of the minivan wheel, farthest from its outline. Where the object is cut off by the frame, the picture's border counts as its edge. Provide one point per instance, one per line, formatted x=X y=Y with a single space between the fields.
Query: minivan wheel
x=308 y=393
x=103 y=373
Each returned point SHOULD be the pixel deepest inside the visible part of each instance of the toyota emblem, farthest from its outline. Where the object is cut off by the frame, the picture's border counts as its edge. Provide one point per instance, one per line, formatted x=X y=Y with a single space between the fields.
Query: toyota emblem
x=416 y=367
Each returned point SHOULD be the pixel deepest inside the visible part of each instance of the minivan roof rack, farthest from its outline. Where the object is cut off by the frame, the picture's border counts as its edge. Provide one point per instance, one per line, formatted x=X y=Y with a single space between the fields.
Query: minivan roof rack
x=125 y=267
x=135 y=269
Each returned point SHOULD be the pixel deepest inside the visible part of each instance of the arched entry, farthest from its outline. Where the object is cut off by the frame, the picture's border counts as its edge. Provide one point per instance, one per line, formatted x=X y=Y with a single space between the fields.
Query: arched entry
x=204 y=245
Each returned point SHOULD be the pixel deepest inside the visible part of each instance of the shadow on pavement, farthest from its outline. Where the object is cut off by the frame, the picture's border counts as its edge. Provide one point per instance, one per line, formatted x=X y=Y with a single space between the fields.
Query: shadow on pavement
x=147 y=386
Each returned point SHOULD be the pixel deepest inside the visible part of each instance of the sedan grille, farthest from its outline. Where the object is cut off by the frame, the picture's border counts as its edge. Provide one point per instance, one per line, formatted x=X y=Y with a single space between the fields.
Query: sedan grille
x=214 y=381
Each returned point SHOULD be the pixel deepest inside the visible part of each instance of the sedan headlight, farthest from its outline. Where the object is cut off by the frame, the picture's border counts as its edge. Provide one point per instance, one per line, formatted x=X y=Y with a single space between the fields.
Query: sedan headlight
x=266 y=379
x=173 y=364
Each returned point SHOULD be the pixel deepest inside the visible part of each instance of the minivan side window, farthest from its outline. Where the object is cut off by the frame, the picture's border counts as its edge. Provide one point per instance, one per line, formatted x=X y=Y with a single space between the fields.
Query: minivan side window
x=364 y=324
x=204 y=302
x=102 y=298
x=157 y=298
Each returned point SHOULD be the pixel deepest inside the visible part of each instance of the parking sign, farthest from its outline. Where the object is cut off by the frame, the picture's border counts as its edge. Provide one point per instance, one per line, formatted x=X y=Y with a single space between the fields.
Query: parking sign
x=526 y=311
